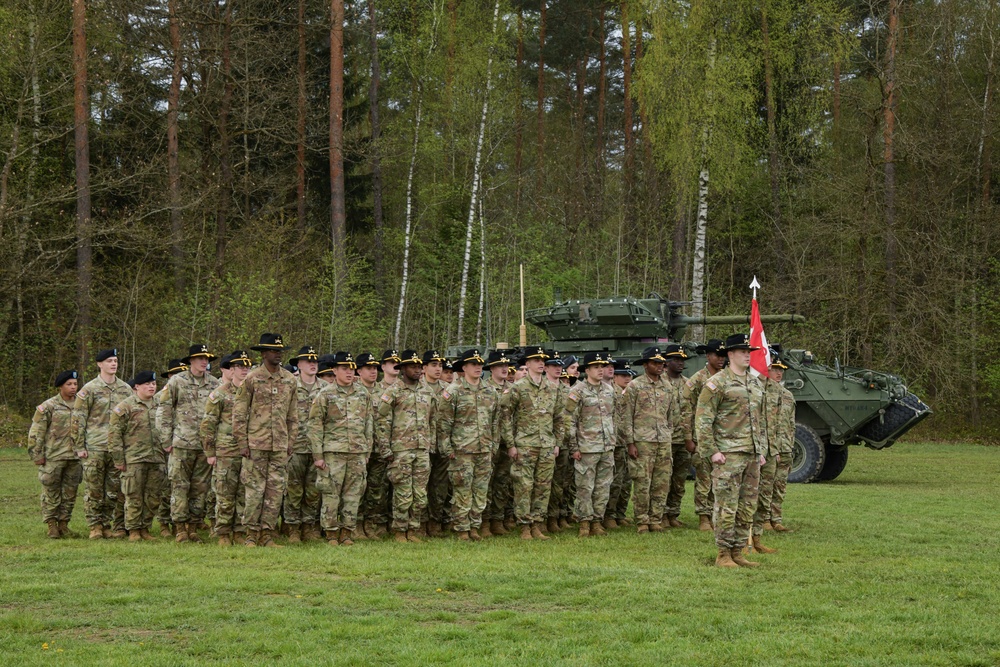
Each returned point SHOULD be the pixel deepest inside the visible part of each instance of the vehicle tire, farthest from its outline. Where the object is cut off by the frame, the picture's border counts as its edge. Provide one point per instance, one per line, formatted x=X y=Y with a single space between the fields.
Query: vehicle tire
x=807 y=456
x=836 y=461
x=895 y=420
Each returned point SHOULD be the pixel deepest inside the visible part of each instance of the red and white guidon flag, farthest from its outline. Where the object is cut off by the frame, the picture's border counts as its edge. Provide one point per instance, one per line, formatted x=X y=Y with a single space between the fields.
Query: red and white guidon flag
x=760 y=360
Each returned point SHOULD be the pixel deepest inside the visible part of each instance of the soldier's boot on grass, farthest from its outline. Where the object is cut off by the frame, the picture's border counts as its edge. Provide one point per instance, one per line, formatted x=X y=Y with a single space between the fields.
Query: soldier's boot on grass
x=499 y=528
x=182 y=533
x=475 y=536
x=311 y=532
x=419 y=532
x=656 y=527
x=768 y=526
x=553 y=525
x=526 y=531
x=563 y=523
x=674 y=522
x=64 y=530
x=358 y=533
x=134 y=536
x=96 y=533
x=145 y=534
x=463 y=535
x=781 y=528
x=485 y=530
x=704 y=523
x=595 y=528
x=53 y=532
x=760 y=548
x=106 y=531
x=610 y=523
x=266 y=540
x=584 y=529
x=626 y=522
x=536 y=532
x=225 y=540
x=724 y=559
x=400 y=536
x=166 y=530
x=509 y=524
x=253 y=536
x=415 y=535
x=643 y=528
x=345 y=537
x=294 y=534
x=740 y=559
x=192 y=531
x=434 y=529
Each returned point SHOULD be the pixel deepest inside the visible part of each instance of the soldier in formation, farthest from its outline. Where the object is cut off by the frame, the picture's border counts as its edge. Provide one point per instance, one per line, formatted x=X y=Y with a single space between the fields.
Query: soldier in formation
x=782 y=415
x=50 y=446
x=681 y=444
x=300 y=510
x=704 y=498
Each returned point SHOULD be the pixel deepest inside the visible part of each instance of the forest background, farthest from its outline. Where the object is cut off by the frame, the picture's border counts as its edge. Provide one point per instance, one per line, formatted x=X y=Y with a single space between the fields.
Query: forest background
x=178 y=171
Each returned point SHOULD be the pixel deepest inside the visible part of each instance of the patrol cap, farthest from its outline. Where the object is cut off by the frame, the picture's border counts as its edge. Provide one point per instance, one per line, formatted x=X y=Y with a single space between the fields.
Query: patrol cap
x=739 y=341
x=270 y=341
x=366 y=359
x=106 y=354
x=65 y=377
x=176 y=366
x=595 y=359
x=143 y=377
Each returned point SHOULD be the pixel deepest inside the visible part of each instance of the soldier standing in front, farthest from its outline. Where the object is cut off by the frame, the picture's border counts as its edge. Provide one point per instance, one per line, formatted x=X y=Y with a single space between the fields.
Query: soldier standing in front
x=265 y=424
x=730 y=423
x=704 y=499
x=785 y=429
x=682 y=444
x=301 y=505
x=50 y=446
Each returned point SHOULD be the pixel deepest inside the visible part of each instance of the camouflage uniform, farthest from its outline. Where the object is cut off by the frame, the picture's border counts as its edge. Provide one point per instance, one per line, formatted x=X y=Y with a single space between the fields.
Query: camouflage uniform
x=730 y=419
x=621 y=485
x=217 y=440
x=785 y=431
x=178 y=416
x=378 y=493
x=103 y=502
x=562 y=495
x=439 y=484
x=405 y=431
x=765 y=488
x=534 y=423
x=650 y=412
x=134 y=442
x=302 y=500
x=681 y=456
x=590 y=412
x=468 y=437
x=50 y=439
x=704 y=497
x=500 y=497
x=163 y=508
x=341 y=431
x=265 y=422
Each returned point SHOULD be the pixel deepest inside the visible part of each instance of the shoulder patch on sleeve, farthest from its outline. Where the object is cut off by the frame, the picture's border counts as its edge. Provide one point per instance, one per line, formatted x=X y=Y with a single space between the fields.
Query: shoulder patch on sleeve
x=118 y=409
x=711 y=385
x=82 y=393
x=445 y=395
x=573 y=396
x=41 y=407
x=690 y=383
x=386 y=397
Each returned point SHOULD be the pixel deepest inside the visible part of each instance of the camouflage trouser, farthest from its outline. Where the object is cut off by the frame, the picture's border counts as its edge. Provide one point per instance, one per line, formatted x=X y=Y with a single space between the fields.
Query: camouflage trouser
x=561 y=496
x=375 y=505
x=346 y=474
x=60 y=481
x=470 y=480
x=190 y=477
x=210 y=500
x=678 y=477
x=780 y=483
x=103 y=502
x=735 y=486
x=409 y=473
x=704 y=495
x=263 y=476
x=500 y=502
x=650 y=472
x=621 y=487
x=141 y=484
x=230 y=494
x=532 y=473
x=163 y=509
x=765 y=489
x=593 y=473
x=301 y=496
x=438 y=489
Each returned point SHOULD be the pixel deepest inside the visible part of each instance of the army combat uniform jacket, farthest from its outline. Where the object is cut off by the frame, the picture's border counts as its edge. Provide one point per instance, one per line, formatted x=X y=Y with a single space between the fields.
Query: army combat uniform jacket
x=341 y=420
x=181 y=409
x=92 y=413
x=730 y=415
x=133 y=436
x=265 y=413
x=50 y=435
x=590 y=412
x=216 y=428
x=650 y=412
x=535 y=415
x=406 y=419
x=469 y=419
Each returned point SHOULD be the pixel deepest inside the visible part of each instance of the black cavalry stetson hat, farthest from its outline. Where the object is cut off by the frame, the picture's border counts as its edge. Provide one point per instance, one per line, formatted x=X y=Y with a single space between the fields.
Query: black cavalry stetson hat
x=675 y=350
x=390 y=355
x=198 y=350
x=714 y=345
x=306 y=353
x=553 y=358
x=366 y=359
x=651 y=353
x=270 y=341
x=409 y=357
x=739 y=341
x=175 y=366
x=594 y=359
x=344 y=359
x=498 y=358
x=468 y=356
x=432 y=355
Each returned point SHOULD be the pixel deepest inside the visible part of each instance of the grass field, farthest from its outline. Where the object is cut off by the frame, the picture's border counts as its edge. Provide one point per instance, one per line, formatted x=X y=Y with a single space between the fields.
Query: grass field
x=895 y=563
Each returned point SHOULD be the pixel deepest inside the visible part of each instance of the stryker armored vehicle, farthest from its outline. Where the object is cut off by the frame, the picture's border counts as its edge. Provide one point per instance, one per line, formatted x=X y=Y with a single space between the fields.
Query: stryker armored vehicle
x=834 y=407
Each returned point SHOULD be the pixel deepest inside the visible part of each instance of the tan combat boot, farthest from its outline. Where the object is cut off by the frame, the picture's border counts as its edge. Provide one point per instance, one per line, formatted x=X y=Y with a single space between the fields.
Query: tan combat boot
x=192 y=531
x=294 y=534
x=509 y=523
x=485 y=531
x=463 y=535
x=64 y=530
x=596 y=528
x=609 y=523
x=553 y=525
x=400 y=536
x=267 y=541
x=584 y=529
x=474 y=535
x=225 y=540
x=536 y=532
x=724 y=559
x=345 y=537
x=768 y=526
x=252 y=537
x=626 y=522
x=381 y=530
x=53 y=532
x=314 y=534
x=739 y=559
x=760 y=548
x=781 y=528
x=144 y=534
x=499 y=528
x=165 y=530
x=413 y=536
x=563 y=523
x=96 y=533
x=420 y=532
x=526 y=531
x=643 y=528
x=134 y=536
x=704 y=523
x=358 y=533
x=674 y=522
x=107 y=532
x=434 y=529
x=656 y=527
x=182 y=533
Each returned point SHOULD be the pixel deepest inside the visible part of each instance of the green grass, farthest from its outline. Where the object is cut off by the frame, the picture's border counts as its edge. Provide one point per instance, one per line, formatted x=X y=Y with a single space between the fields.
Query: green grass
x=895 y=563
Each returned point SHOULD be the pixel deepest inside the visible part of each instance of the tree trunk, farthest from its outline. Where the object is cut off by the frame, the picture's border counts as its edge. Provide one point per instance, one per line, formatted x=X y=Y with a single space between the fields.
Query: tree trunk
x=225 y=166
x=482 y=275
x=173 y=150
x=889 y=110
x=773 y=159
x=476 y=178
x=647 y=143
x=300 y=127
x=409 y=216
x=602 y=84
x=81 y=115
x=373 y=111
x=518 y=111
x=627 y=89
x=541 y=101
x=338 y=220
x=985 y=156
x=678 y=250
x=701 y=222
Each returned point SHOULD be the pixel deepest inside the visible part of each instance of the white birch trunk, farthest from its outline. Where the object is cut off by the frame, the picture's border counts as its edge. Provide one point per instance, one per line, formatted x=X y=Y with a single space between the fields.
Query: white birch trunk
x=409 y=217
x=475 y=180
x=701 y=222
x=482 y=272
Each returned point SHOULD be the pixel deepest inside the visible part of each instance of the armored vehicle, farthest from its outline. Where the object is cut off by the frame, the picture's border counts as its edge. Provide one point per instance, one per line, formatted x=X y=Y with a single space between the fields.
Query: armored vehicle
x=834 y=407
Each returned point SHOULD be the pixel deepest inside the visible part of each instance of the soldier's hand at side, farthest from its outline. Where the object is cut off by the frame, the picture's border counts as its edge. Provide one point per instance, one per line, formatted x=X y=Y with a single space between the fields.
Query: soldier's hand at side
x=512 y=453
x=245 y=452
x=576 y=456
x=82 y=454
x=762 y=460
x=319 y=463
x=777 y=458
x=633 y=452
x=211 y=460
x=718 y=458
x=120 y=468
x=690 y=446
x=451 y=457
x=169 y=449
x=555 y=451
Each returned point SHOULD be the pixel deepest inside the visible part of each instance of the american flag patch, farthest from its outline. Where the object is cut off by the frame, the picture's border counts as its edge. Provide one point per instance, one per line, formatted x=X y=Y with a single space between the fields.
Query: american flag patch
x=385 y=397
x=710 y=385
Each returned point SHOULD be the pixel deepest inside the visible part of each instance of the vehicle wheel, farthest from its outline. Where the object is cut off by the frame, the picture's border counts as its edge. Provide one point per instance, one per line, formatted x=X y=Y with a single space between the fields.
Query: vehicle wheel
x=807 y=456
x=836 y=461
